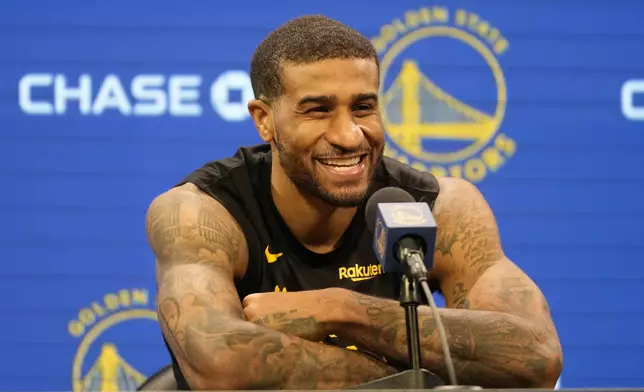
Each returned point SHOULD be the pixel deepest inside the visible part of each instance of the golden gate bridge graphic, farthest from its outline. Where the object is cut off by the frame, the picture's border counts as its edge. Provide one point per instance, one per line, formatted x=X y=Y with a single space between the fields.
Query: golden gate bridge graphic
x=111 y=373
x=417 y=110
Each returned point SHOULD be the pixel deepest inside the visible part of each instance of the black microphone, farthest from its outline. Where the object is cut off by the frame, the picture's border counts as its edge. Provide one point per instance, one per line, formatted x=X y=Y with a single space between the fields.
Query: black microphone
x=404 y=231
x=404 y=240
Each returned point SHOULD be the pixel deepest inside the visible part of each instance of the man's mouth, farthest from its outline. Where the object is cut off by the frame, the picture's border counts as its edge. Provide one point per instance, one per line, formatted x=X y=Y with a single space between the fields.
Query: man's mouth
x=347 y=168
x=343 y=162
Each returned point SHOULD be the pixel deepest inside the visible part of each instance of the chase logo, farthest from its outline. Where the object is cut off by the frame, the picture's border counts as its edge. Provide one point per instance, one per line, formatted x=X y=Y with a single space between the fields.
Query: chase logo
x=443 y=92
x=99 y=364
x=144 y=95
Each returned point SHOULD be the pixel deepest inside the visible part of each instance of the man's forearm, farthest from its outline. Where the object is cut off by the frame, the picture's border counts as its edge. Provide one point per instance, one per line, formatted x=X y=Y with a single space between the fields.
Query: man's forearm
x=490 y=349
x=281 y=361
x=240 y=355
x=319 y=366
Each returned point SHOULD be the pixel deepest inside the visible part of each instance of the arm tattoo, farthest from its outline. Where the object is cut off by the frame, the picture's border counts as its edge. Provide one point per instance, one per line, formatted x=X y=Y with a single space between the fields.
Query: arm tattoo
x=490 y=349
x=163 y=225
x=197 y=247
x=498 y=323
x=256 y=357
x=215 y=232
x=459 y=295
x=470 y=229
x=289 y=325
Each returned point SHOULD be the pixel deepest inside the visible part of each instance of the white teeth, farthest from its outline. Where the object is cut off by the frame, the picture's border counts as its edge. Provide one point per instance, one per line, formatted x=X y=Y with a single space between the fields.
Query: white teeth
x=341 y=162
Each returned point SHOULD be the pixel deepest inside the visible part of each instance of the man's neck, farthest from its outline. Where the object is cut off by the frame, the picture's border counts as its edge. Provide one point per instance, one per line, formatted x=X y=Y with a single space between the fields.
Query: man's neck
x=317 y=225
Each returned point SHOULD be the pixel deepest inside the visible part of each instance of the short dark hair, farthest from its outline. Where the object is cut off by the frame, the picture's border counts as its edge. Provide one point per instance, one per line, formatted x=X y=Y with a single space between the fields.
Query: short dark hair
x=304 y=40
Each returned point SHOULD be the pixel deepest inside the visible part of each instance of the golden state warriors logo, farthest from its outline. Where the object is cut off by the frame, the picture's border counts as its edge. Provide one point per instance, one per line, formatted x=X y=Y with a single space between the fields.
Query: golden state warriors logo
x=407 y=215
x=443 y=92
x=116 y=319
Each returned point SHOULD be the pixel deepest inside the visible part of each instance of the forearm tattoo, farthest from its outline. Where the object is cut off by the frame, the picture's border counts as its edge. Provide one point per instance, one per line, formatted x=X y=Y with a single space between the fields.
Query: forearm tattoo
x=499 y=327
x=200 y=312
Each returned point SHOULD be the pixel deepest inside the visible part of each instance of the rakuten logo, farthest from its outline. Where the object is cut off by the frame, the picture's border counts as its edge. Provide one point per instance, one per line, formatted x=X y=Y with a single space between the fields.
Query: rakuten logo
x=630 y=108
x=145 y=95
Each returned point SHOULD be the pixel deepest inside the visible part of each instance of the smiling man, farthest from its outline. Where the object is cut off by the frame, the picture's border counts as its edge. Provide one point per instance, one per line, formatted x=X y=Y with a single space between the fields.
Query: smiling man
x=266 y=275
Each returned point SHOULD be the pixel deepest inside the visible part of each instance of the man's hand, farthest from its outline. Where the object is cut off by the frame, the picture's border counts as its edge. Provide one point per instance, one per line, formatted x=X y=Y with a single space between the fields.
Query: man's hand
x=300 y=314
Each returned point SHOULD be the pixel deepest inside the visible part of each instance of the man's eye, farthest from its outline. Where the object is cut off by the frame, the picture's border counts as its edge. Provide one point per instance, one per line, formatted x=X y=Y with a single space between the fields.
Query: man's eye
x=320 y=109
x=362 y=107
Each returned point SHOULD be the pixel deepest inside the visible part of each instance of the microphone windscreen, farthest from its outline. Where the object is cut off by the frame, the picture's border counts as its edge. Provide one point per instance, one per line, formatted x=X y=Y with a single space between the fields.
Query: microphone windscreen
x=384 y=195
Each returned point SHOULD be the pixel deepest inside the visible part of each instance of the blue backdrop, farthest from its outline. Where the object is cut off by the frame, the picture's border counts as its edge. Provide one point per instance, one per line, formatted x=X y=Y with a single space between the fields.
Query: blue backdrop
x=104 y=105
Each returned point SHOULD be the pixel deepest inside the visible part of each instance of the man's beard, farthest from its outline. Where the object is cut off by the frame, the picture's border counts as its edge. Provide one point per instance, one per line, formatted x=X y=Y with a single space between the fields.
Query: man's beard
x=298 y=172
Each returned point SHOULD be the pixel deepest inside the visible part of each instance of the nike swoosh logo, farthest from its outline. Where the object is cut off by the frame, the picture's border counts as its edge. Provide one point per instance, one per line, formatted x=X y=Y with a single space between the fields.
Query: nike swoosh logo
x=270 y=257
x=361 y=279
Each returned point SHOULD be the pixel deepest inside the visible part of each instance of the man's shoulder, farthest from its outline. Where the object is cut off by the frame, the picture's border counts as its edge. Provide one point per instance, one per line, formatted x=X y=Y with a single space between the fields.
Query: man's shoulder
x=460 y=202
x=454 y=190
x=417 y=182
x=181 y=197
x=448 y=192
x=245 y=158
x=233 y=181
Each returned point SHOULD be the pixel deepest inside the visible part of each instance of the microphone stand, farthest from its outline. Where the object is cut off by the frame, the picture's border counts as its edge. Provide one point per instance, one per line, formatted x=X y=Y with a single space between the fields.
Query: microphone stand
x=410 y=300
x=416 y=377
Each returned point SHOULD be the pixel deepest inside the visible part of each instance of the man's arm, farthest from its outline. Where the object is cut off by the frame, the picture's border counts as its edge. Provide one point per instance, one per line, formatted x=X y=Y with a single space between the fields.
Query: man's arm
x=200 y=250
x=497 y=322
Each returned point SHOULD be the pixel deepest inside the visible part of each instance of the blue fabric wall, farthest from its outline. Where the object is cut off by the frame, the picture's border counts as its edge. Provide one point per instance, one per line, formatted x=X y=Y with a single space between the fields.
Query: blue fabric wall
x=103 y=105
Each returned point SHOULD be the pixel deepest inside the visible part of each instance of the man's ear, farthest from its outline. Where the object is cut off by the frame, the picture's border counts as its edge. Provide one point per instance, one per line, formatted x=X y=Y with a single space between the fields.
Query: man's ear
x=262 y=116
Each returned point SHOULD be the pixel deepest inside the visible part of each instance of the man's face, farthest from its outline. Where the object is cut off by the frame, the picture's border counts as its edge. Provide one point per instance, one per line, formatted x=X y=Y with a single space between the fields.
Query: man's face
x=327 y=128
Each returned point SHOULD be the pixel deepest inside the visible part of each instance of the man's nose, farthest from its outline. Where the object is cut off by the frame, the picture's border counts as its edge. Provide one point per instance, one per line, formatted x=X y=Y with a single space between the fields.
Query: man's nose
x=345 y=133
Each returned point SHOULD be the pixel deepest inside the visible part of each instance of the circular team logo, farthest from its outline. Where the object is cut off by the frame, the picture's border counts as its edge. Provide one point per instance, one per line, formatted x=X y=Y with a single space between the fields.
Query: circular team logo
x=444 y=93
x=112 y=354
